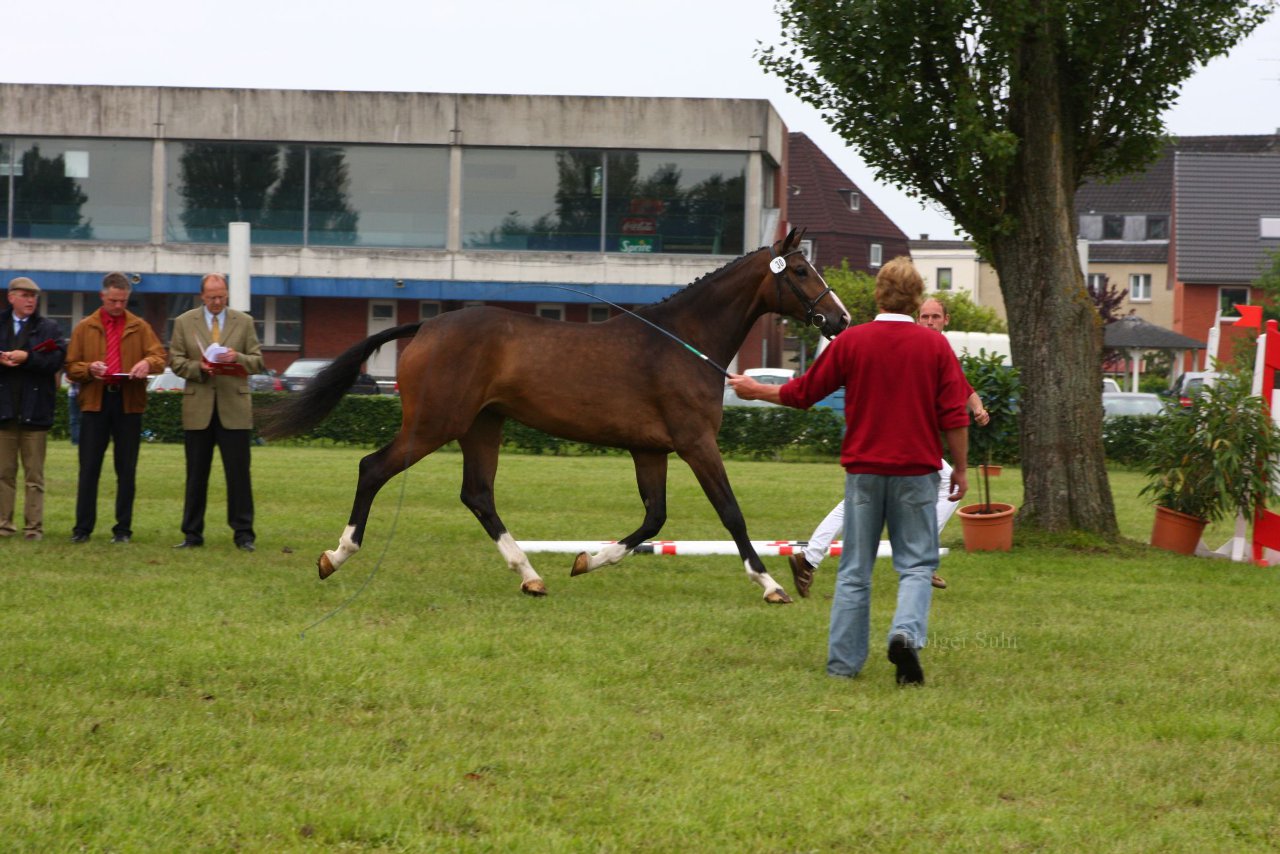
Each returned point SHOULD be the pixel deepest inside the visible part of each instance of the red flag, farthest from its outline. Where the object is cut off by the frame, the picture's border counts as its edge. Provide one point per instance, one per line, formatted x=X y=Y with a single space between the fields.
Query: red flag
x=1250 y=316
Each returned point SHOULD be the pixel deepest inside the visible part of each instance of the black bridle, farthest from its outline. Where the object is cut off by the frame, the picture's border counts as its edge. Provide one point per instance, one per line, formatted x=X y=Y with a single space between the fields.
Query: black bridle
x=778 y=266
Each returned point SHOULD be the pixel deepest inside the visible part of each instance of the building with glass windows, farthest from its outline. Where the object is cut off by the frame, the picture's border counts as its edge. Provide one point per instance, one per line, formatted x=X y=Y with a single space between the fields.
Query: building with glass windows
x=370 y=209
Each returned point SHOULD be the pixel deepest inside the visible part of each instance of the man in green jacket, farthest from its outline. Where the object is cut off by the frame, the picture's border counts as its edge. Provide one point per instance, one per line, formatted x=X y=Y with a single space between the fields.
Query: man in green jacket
x=215 y=348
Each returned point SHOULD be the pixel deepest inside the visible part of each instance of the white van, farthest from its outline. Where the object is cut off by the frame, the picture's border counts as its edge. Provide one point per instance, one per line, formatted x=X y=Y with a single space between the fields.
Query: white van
x=973 y=342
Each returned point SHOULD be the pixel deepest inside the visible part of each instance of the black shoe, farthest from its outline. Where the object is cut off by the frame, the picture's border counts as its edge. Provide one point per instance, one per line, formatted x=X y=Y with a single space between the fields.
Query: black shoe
x=904 y=657
x=245 y=545
x=188 y=544
x=120 y=538
x=79 y=538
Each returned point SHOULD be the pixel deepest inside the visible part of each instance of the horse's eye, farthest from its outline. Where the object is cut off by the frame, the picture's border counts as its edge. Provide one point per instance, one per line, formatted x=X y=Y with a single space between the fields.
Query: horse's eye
x=802 y=272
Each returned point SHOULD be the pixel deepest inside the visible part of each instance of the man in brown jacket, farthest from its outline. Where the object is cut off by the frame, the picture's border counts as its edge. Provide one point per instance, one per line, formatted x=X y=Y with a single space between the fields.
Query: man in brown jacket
x=111 y=353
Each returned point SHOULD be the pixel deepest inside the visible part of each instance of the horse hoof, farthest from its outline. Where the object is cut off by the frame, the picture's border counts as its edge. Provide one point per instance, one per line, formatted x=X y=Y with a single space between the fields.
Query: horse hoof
x=534 y=588
x=581 y=564
x=325 y=565
x=777 y=597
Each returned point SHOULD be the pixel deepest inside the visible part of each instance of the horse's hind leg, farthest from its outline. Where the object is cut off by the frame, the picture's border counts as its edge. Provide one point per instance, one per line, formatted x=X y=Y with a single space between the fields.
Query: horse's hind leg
x=479 y=467
x=708 y=467
x=375 y=470
x=651 y=477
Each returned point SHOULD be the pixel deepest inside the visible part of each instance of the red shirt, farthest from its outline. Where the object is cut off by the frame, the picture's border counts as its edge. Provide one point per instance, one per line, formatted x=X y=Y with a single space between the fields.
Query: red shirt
x=903 y=386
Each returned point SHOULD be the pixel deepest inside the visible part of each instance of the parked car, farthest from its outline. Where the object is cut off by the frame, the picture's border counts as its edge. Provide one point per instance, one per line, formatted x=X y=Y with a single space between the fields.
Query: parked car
x=779 y=376
x=1110 y=385
x=1190 y=384
x=297 y=375
x=166 y=381
x=365 y=384
x=1116 y=403
x=768 y=376
x=302 y=371
x=265 y=381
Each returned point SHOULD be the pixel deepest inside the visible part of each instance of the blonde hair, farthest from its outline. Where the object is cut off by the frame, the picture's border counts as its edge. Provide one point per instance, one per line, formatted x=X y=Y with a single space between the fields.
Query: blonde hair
x=899 y=288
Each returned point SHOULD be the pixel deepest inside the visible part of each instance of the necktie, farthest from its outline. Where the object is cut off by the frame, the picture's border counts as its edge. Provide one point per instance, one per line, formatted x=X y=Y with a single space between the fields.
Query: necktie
x=213 y=329
x=114 y=332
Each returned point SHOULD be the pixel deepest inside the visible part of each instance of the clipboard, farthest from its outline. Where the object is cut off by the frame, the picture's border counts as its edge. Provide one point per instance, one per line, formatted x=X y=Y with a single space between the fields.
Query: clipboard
x=46 y=346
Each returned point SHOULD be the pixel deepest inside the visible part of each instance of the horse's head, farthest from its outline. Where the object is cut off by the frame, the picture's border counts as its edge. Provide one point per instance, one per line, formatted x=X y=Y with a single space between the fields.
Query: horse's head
x=801 y=291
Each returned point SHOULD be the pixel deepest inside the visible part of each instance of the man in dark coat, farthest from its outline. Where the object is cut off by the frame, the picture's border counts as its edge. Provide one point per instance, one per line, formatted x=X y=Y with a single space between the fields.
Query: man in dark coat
x=31 y=354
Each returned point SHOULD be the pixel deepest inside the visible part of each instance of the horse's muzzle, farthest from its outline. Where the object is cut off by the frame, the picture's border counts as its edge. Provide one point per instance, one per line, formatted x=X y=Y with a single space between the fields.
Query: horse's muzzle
x=833 y=325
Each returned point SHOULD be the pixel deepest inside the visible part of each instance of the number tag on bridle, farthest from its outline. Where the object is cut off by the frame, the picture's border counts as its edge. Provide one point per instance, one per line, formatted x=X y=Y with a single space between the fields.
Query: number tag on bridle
x=777 y=265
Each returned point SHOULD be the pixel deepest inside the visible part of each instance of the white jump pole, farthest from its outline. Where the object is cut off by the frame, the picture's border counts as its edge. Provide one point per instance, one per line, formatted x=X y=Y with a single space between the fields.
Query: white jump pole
x=238 y=248
x=764 y=548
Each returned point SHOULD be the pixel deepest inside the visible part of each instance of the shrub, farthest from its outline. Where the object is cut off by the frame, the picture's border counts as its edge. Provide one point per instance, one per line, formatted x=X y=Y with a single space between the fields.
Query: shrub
x=764 y=432
x=1125 y=438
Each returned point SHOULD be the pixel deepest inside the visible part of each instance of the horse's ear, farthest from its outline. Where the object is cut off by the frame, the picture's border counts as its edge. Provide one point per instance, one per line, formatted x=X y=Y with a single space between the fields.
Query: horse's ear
x=789 y=241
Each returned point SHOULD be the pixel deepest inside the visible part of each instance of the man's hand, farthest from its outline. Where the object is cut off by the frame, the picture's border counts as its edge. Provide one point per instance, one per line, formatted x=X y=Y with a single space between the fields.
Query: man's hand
x=140 y=370
x=748 y=389
x=959 y=484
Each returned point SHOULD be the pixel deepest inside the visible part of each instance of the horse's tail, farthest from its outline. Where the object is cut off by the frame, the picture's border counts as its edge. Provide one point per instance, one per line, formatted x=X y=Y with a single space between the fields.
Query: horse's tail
x=298 y=413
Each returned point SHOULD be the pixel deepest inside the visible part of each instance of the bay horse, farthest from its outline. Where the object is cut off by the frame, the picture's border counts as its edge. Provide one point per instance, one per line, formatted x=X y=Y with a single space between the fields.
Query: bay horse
x=623 y=383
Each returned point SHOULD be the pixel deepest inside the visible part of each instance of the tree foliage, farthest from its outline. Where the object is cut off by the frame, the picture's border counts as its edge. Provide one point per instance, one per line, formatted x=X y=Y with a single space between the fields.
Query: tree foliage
x=1107 y=299
x=966 y=315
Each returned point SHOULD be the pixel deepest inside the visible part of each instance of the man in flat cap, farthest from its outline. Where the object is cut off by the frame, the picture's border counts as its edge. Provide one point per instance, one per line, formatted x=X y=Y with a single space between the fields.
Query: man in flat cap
x=31 y=354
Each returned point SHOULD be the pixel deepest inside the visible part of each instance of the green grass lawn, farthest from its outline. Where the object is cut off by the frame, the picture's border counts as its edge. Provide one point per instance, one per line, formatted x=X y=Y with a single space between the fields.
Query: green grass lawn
x=1078 y=699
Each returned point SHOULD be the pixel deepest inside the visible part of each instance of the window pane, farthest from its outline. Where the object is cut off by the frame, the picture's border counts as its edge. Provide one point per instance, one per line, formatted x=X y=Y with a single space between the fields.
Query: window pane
x=1229 y=298
x=539 y=200
x=1112 y=227
x=288 y=321
x=379 y=196
x=277 y=320
x=213 y=183
x=944 y=278
x=685 y=202
x=60 y=306
x=1157 y=228
x=82 y=189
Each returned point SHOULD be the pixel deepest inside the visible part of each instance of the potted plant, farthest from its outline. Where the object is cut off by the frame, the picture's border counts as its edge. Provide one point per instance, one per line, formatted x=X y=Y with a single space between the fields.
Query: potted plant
x=1209 y=459
x=988 y=525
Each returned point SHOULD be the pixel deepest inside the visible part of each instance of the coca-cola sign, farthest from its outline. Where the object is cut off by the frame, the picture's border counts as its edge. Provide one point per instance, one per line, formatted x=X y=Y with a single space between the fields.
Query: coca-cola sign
x=639 y=225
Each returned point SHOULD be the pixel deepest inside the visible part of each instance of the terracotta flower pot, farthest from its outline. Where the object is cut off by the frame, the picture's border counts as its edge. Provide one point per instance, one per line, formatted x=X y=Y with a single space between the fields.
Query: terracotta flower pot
x=992 y=471
x=987 y=532
x=1176 y=532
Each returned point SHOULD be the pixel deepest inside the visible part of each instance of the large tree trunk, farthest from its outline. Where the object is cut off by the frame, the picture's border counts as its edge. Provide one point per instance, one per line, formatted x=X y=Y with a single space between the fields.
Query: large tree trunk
x=1055 y=332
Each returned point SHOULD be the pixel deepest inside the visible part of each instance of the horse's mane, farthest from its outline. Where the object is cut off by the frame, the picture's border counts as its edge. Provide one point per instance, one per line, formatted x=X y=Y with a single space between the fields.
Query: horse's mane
x=702 y=280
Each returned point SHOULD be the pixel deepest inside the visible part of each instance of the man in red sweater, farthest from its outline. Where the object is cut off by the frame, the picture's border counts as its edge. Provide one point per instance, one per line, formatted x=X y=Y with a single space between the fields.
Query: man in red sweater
x=903 y=390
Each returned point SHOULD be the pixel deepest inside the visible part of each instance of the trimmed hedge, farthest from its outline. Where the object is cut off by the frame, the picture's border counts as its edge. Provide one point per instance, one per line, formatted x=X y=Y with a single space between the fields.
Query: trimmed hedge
x=764 y=432
x=373 y=420
x=757 y=432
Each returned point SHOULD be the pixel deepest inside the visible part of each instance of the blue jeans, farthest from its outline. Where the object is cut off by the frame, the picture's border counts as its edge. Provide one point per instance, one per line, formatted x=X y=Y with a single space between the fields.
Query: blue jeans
x=906 y=504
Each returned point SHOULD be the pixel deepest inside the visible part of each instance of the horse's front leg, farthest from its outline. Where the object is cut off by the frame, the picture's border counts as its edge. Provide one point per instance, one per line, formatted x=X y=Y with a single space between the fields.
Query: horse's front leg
x=479 y=468
x=651 y=477
x=708 y=467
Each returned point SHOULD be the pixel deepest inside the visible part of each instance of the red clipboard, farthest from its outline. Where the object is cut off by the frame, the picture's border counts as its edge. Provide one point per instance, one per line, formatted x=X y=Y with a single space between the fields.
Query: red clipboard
x=46 y=346
x=230 y=369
